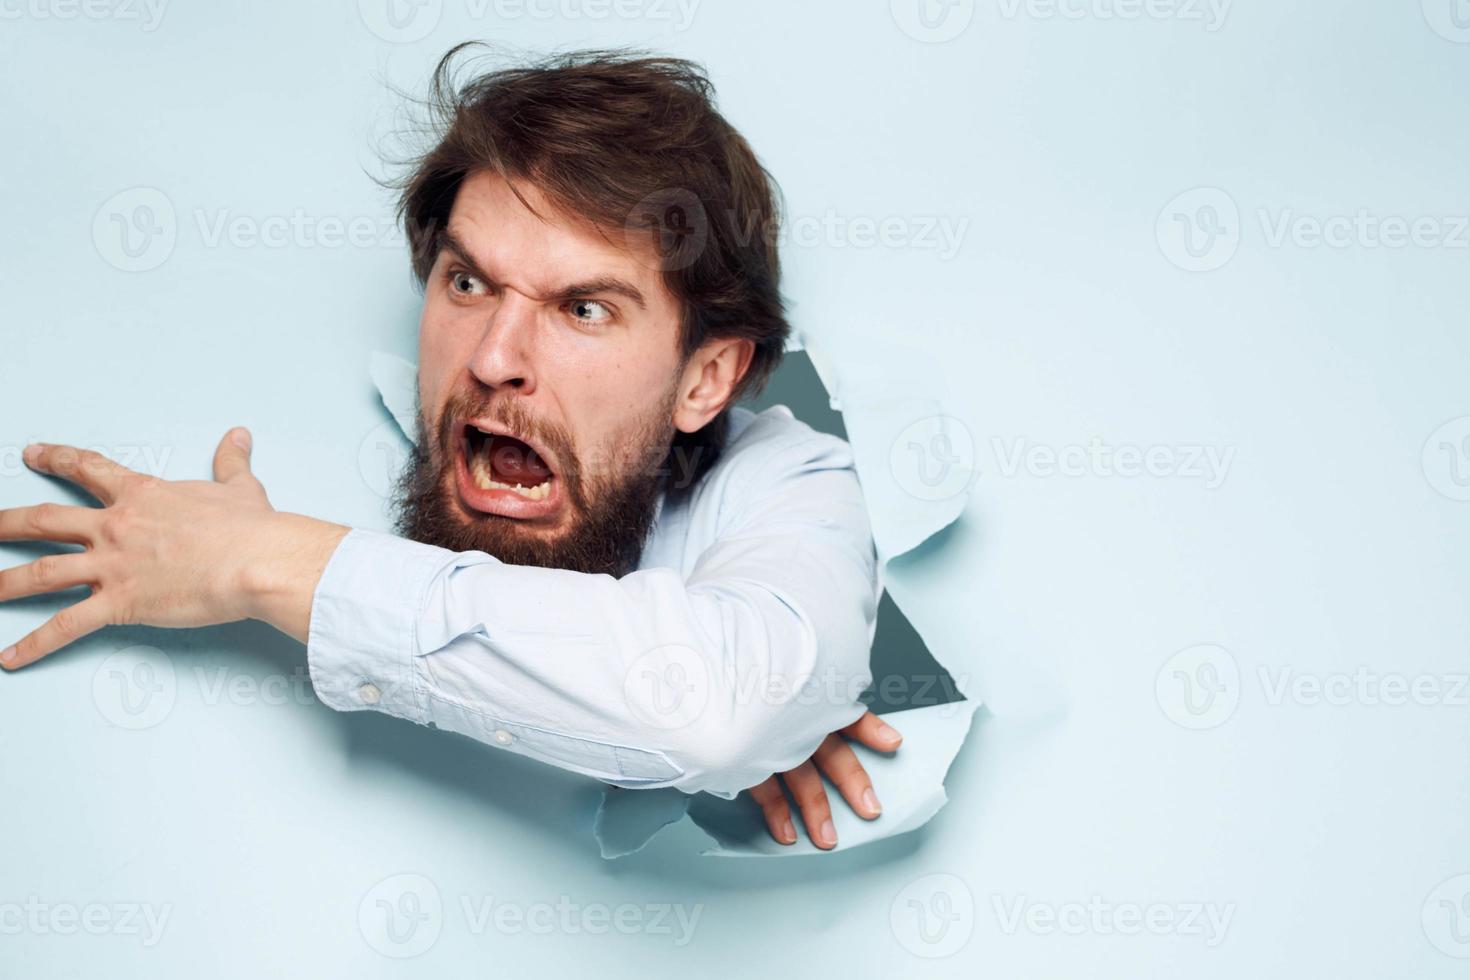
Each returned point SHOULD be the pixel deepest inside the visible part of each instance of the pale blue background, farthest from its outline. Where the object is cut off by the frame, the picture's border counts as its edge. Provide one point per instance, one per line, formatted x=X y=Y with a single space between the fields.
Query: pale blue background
x=1060 y=141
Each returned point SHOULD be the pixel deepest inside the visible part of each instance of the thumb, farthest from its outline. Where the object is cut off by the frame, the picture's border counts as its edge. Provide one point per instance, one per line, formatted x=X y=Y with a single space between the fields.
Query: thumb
x=232 y=458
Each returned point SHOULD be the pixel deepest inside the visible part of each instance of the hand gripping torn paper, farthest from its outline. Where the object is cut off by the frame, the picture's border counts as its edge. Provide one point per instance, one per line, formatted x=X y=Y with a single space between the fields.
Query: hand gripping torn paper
x=914 y=487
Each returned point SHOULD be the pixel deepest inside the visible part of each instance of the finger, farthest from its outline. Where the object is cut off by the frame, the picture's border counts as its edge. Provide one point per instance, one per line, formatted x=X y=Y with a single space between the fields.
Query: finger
x=811 y=800
x=67 y=626
x=778 y=812
x=49 y=574
x=839 y=763
x=874 y=732
x=50 y=522
x=232 y=458
x=94 y=472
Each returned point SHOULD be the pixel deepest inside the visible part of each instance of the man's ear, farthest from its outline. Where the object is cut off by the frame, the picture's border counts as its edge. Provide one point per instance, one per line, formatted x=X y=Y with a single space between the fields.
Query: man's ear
x=709 y=379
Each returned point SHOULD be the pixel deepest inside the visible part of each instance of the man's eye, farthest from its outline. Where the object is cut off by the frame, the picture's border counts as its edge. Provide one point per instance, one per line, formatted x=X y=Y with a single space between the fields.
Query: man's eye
x=589 y=311
x=464 y=284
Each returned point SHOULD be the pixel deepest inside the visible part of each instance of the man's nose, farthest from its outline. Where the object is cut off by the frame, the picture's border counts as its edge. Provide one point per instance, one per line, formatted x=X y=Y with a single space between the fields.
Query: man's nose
x=506 y=351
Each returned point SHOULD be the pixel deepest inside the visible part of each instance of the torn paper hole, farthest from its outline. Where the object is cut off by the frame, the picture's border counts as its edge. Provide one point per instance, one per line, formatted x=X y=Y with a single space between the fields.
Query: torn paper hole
x=914 y=469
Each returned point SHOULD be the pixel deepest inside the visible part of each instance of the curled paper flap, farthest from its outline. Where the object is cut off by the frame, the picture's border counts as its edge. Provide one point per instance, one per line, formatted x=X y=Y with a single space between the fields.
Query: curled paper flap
x=910 y=783
x=397 y=382
x=627 y=819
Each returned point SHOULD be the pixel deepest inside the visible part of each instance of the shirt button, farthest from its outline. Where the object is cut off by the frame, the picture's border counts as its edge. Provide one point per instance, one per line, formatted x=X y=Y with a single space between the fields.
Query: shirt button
x=369 y=694
x=503 y=737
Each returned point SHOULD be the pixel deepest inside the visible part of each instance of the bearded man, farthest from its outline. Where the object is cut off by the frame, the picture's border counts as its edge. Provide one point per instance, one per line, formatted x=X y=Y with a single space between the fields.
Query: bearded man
x=603 y=563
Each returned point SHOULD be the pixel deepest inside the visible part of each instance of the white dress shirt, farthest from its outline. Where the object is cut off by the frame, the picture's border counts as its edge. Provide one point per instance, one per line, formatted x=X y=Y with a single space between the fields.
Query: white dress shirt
x=738 y=644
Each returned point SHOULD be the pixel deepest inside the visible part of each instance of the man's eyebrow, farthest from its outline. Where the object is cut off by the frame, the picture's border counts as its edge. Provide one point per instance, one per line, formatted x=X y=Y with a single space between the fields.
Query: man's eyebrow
x=596 y=286
x=601 y=286
x=449 y=243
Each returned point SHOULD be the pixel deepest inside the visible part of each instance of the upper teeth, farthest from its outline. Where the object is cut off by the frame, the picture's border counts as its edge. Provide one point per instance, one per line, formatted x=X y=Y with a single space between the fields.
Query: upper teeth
x=480 y=470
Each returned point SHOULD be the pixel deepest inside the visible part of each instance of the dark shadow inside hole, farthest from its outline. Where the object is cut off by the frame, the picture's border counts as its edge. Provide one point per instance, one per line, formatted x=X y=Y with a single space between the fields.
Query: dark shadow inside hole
x=905 y=673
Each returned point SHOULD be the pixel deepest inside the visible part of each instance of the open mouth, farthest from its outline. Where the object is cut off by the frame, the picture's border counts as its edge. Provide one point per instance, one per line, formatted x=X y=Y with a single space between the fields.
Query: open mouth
x=501 y=474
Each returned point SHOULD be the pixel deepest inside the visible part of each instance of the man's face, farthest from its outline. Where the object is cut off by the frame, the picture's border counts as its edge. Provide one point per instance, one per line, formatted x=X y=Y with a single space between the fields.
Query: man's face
x=549 y=373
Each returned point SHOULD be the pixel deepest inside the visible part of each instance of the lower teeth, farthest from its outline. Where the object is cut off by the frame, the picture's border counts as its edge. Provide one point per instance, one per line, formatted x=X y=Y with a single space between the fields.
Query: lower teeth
x=480 y=470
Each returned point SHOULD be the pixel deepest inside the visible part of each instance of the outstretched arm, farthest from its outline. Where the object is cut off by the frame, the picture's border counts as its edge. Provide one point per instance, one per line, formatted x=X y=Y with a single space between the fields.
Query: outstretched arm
x=710 y=682
x=164 y=553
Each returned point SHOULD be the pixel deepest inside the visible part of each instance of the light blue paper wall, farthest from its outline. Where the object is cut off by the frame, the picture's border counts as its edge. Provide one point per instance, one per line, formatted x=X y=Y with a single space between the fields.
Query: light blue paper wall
x=1057 y=145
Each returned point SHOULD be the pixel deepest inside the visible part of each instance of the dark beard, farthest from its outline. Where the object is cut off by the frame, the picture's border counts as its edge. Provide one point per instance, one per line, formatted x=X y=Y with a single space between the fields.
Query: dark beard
x=612 y=514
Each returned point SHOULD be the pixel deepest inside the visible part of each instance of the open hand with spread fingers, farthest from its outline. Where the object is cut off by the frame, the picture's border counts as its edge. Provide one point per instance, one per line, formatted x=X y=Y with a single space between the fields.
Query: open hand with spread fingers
x=162 y=552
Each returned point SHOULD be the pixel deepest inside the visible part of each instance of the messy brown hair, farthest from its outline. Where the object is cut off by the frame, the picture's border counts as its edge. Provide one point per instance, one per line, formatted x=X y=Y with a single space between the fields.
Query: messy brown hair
x=633 y=144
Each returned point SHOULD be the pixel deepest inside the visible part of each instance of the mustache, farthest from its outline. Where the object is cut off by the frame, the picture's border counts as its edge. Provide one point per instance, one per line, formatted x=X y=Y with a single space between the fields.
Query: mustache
x=506 y=414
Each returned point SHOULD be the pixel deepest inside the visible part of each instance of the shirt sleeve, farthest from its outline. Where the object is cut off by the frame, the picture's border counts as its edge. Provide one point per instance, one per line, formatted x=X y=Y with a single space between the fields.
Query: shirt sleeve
x=709 y=682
